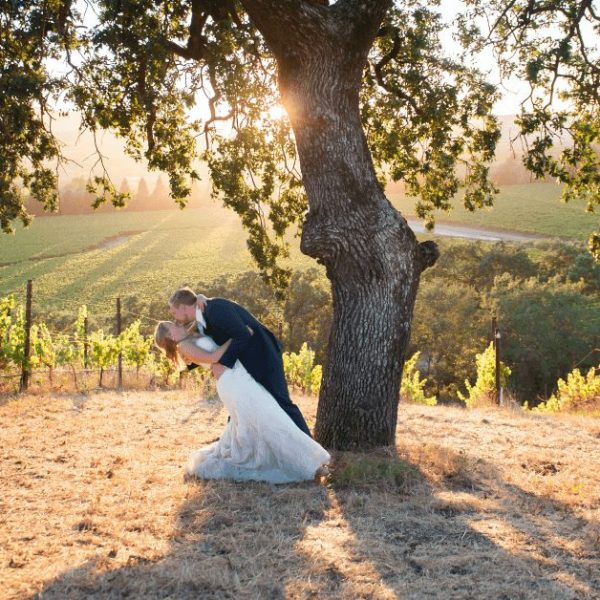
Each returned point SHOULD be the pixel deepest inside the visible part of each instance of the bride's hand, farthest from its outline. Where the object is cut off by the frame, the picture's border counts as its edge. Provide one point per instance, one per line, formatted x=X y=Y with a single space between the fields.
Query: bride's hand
x=201 y=300
x=218 y=369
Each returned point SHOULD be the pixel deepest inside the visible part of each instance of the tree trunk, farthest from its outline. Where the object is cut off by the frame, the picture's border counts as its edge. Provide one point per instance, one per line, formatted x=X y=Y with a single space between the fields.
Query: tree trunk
x=374 y=263
x=372 y=257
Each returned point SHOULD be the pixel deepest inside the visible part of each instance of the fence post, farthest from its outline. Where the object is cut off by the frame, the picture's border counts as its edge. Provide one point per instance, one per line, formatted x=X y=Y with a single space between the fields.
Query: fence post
x=8 y=314
x=25 y=367
x=85 y=343
x=120 y=363
x=497 y=338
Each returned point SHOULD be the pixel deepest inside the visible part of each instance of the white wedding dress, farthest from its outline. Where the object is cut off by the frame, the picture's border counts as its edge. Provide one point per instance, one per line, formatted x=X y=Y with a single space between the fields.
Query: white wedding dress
x=260 y=442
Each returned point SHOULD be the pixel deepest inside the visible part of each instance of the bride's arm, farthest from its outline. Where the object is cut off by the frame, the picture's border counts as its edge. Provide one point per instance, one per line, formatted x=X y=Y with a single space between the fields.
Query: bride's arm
x=191 y=353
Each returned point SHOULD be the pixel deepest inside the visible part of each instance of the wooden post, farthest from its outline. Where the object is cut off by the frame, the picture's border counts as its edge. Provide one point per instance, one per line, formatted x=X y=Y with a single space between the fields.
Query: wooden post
x=8 y=314
x=120 y=363
x=498 y=384
x=494 y=331
x=86 y=344
x=25 y=367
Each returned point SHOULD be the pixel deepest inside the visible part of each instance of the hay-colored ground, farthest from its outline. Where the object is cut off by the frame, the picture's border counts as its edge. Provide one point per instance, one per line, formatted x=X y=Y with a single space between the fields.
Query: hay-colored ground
x=93 y=504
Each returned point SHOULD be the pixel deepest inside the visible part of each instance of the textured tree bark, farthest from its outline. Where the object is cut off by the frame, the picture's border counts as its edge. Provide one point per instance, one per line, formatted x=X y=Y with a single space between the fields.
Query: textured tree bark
x=372 y=257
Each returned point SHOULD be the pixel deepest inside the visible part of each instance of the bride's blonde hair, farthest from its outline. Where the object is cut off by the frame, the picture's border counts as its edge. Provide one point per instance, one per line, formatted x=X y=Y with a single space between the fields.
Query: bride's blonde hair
x=165 y=342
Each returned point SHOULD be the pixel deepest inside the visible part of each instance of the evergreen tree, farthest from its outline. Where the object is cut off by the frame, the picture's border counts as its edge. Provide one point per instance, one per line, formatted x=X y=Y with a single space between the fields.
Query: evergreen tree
x=142 y=196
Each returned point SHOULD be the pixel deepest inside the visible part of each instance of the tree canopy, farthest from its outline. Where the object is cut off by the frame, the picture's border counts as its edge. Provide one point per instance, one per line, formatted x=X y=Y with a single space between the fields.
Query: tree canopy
x=140 y=67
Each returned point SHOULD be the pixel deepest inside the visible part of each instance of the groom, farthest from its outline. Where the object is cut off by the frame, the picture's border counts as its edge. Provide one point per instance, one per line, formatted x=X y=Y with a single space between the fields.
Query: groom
x=251 y=342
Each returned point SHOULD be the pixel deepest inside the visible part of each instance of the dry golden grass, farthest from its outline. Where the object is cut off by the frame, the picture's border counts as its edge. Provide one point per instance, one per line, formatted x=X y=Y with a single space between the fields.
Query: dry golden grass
x=481 y=504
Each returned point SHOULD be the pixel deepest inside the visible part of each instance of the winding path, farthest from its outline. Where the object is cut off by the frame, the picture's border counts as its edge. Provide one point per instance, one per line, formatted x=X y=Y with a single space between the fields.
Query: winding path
x=472 y=233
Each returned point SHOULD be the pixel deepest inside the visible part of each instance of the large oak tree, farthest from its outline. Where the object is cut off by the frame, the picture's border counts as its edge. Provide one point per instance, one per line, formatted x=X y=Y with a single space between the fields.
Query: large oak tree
x=371 y=93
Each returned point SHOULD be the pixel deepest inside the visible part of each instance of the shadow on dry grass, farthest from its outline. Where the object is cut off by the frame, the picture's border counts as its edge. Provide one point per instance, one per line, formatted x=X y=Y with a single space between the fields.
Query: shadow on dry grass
x=469 y=505
x=453 y=527
x=229 y=541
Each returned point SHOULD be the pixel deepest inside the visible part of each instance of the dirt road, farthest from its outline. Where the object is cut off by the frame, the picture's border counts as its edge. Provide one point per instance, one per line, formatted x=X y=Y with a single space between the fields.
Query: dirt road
x=472 y=233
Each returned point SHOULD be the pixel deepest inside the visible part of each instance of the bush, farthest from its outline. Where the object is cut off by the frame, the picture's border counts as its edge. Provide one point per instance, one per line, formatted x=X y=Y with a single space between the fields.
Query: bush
x=308 y=312
x=449 y=328
x=578 y=393
x=135 y=347
x=104 y=351
x=546 y=328
x=411 y=388
x=12 y=334
x=300 y=370
x=484 y=390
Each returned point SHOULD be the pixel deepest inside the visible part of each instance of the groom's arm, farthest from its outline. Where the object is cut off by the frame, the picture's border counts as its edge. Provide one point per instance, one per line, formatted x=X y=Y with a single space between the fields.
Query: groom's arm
x=226 y=318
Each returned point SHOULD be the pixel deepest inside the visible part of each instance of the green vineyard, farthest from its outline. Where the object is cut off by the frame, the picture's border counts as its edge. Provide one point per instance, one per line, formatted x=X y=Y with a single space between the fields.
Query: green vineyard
x=92 y=259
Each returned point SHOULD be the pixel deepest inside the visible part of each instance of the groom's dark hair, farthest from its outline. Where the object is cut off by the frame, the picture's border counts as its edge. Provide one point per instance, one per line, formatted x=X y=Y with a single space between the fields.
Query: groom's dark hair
x=183 y=295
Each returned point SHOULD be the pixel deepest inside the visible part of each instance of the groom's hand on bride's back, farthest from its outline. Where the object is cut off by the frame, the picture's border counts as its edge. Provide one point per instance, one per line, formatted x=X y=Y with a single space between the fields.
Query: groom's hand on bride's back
x=217 y=369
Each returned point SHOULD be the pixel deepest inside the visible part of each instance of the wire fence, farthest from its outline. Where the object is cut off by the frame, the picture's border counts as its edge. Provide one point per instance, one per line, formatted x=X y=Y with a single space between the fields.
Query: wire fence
x=119 y=375
x=116 y=375
x=86 y=380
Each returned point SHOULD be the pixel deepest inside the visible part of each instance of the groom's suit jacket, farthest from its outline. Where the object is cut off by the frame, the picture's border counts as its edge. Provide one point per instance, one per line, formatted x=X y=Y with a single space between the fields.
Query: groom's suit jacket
x=254 y=346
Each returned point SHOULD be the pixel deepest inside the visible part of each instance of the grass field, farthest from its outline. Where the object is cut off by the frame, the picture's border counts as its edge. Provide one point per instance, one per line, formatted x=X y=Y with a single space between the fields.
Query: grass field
x=534 y=208
x=471 y=504
x=94 y=258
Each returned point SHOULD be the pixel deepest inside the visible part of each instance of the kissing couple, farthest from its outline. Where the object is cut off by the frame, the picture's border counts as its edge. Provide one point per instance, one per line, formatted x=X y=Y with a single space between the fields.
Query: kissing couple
x=266 y=437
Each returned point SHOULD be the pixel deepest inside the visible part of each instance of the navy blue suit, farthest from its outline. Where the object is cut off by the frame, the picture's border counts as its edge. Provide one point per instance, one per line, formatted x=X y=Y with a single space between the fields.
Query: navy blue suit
x=255 y=347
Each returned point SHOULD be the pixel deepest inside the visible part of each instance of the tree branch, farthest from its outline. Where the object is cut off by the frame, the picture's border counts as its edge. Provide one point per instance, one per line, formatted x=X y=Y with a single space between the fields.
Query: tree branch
x=507 y=8
x=593 y=15
x=288 y=24
x=196 y=45
x=378 y=68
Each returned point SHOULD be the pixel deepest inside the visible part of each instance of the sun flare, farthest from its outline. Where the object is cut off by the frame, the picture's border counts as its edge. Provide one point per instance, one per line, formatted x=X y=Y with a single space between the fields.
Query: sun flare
x=277 y=112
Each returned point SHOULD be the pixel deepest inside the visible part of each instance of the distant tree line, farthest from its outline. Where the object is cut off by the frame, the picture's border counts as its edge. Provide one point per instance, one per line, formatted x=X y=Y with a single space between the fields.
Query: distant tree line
x=510 y=170
x=74 y=199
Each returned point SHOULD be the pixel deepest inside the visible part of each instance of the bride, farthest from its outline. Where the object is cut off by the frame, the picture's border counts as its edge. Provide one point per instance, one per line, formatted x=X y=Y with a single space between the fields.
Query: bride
x=260 y=442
